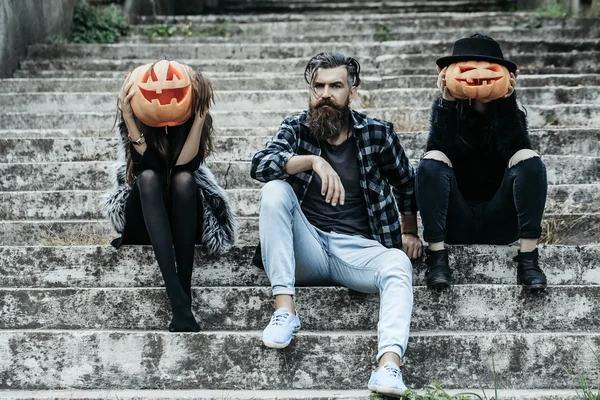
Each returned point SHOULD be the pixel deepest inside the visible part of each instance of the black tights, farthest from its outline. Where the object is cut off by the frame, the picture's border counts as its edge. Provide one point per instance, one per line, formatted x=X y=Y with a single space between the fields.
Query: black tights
x=179 y=232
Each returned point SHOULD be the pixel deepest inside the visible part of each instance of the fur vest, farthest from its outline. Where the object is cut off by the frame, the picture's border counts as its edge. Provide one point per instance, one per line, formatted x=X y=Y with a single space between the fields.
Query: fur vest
x=219 y=224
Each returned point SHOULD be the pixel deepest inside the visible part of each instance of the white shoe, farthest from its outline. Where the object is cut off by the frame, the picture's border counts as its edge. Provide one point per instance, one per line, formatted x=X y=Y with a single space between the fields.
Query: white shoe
x=387 y=380
x=278 y=334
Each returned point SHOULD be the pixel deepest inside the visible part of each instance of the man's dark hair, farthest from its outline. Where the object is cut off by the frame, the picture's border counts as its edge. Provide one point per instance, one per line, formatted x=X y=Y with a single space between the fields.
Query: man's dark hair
x=333 y=60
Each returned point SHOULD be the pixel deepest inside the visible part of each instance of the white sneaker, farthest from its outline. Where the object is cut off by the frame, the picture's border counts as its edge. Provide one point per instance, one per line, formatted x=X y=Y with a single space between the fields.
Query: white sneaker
x=278 y=334
x=387 y=380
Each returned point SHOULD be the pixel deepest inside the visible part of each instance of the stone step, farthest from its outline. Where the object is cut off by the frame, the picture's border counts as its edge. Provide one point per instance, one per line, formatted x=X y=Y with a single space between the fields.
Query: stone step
x=259 y=82
x=241 y=51
x=485 y=308
x=50 y=359
x=94 y=175
x=85 y=204
x=404 y=119
x=245 y=6
x=200 y=394
x=580 y=62
x=568 y=229
x=287 y=99
x=135 y=266
x=354 y=22
x=232 y=34
x=486 y=18
x=394 y=72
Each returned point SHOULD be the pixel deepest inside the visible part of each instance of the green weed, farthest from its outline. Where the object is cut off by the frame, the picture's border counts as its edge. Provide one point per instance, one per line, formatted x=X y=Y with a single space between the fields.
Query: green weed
x=382 y=34
x=97 y=24
x=553 y=9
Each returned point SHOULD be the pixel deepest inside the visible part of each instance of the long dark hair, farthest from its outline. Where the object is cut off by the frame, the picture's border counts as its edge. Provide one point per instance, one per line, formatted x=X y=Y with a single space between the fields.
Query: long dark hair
x=202 y=98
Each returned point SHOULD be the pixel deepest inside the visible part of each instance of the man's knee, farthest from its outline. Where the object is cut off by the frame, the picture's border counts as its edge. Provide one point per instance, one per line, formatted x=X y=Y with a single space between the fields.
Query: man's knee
x=438 y=156
x=395 y=264
x=521 y=155
x=275 y=193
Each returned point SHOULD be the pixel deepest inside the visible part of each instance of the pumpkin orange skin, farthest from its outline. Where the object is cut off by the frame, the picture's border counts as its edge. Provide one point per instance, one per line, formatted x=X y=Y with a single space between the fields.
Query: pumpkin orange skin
x=163 y=93
x=480 y=80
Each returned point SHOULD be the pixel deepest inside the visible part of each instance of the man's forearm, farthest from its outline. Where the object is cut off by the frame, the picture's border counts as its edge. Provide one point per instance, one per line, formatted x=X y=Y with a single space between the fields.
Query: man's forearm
x=299 y=164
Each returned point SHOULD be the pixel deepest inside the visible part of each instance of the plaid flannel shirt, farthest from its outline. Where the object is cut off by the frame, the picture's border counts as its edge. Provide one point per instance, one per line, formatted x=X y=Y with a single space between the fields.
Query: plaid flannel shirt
x=387 y=176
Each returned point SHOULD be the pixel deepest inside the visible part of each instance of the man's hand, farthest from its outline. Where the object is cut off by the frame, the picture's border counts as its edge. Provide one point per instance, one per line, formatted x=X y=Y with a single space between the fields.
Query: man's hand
x=513 y=83
x=331 y=187
x=411 y=245
x=441 y=84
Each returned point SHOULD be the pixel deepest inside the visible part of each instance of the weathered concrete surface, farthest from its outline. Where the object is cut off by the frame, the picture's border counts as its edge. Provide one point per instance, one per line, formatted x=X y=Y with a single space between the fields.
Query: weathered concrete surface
x=135 y=266
x=228 y=360
x=291 y=50
x=375 y=34
x=553 y=145
x=25 y=22
x=535 y=394
x=547 y=141
x=415 y=20
x=398 y=64
x=488 y=308
x=265 y=81
x=404 y=119
x=85 y=204
x=287 y=99
x=572 y=229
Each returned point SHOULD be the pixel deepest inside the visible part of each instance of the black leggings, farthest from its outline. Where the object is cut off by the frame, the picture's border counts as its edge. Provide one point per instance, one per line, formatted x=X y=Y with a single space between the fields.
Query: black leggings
x=166 y=222
x=514 y=212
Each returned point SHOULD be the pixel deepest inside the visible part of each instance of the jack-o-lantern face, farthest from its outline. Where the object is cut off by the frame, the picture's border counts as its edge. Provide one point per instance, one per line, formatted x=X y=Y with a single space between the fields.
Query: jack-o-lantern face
x=163 y=94
x=479 y=80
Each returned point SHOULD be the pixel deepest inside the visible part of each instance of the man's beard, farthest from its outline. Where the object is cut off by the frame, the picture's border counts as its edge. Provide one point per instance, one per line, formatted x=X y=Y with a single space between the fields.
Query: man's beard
x=328 y=122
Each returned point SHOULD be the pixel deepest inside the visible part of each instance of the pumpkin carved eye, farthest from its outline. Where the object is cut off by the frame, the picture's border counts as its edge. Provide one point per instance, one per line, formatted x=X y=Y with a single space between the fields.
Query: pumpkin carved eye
x=495 y=68
x=465 y=68
x=147 y=75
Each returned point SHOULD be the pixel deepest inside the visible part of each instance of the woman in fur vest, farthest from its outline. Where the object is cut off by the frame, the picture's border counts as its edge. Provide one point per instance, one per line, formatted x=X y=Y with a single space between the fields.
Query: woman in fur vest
x=164 y=195
x=479 y=181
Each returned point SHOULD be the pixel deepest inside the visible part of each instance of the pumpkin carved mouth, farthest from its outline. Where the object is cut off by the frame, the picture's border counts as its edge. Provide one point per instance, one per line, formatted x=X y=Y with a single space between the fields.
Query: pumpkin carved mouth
x=478 y=82
x=166 y=96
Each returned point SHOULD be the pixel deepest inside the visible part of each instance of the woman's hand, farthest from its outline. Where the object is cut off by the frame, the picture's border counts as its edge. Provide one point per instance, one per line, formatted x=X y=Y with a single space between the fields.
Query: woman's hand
x=124 y=98
x=441 y=84
x=513 y=83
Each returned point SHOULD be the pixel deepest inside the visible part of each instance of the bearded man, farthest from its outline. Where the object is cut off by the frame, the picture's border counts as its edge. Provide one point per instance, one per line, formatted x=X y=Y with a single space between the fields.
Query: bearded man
x=335 y=181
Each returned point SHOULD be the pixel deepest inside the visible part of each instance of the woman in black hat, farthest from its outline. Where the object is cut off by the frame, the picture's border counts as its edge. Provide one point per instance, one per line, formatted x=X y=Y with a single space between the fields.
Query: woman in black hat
x=479 y=181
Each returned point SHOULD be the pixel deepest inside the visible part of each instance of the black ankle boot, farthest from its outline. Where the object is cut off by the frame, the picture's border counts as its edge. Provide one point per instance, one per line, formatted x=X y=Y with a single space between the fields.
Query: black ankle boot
x=529 y=274
x=438 y=274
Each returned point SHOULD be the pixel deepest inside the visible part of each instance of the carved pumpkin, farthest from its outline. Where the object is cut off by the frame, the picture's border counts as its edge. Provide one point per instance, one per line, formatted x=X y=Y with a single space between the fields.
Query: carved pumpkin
x=163 y=93
x=479 y=80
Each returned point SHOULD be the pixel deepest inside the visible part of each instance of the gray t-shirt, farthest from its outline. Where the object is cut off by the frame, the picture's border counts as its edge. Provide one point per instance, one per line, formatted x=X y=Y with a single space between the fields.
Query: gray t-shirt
x=352 y=217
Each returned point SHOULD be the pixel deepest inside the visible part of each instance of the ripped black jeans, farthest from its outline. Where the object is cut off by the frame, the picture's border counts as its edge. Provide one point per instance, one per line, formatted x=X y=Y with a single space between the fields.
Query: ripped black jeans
x=514 y=212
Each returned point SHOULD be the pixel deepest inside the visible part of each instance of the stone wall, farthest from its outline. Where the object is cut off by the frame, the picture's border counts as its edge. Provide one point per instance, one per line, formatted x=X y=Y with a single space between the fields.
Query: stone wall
x=23 y=22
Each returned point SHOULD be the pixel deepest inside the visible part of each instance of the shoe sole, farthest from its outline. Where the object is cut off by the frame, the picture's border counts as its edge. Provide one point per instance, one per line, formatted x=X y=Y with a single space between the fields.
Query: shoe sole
x=386 y=391
x=442 y=284
x=535 y=288
x=275 y=345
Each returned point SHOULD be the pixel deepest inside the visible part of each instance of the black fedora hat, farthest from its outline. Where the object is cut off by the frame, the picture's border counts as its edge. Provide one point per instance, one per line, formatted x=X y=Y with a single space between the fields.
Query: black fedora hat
x=477 y=47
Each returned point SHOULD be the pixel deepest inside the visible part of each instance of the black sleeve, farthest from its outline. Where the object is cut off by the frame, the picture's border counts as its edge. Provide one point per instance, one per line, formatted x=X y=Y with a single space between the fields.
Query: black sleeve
x=510 y=127
x=151 y=159
x=443 y=127
x=191 y=165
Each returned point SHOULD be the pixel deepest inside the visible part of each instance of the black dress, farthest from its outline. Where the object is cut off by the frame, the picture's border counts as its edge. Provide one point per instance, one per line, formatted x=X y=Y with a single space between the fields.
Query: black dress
x=135 y=226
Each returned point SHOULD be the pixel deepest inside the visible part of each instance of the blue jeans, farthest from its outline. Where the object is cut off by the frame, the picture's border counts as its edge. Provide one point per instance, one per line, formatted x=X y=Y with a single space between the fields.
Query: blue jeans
x=295 y=252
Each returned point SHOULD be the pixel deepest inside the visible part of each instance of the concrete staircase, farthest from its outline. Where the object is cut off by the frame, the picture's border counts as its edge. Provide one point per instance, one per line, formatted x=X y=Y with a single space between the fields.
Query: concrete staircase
x=80 y=320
